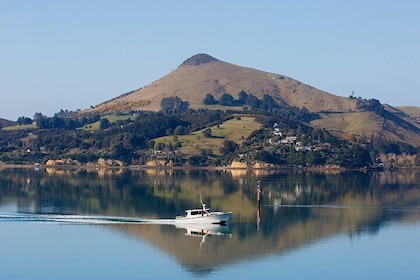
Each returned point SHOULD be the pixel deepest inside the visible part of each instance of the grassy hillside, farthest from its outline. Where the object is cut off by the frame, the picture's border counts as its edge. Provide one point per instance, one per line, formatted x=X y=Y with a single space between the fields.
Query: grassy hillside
x=192 y=81
x=20 y=127
x=111 y=118
x=237 y=130
x=412 y=111
x=361 y=123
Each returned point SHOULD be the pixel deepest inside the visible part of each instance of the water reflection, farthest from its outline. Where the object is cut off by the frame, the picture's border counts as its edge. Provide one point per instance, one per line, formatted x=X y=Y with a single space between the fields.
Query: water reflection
x=204 y=230
x=296 y=209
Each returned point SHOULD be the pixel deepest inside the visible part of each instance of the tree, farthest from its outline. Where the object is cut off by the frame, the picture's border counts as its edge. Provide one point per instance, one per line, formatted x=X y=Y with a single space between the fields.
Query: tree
x=209 y=99
x=179 y=130
x=207 y=132
x=226 y=99
x=243 y=96
x=57 y=122
x=268 y=102
x=198 y=160
x=71 y=123
x=173 y=105
x=23 y=120
x=121 y=152
x=315 y=158
x=104 y=123
x=253 y=101
x=38 y=116
x=228 y=147
x=151 y=144
x=41 y=122
x=169 y=131
x=160 y=146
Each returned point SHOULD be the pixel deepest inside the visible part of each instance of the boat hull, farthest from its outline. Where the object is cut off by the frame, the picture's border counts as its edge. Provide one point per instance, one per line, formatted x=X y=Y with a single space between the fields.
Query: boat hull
x=215 y=218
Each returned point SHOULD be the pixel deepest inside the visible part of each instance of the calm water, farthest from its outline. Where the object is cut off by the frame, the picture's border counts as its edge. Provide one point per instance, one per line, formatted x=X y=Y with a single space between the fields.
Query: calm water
x=118 y=224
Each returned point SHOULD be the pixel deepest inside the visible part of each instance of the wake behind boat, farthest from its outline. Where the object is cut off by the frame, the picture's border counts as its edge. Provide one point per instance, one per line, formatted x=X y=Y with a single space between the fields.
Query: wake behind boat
x=205 y=215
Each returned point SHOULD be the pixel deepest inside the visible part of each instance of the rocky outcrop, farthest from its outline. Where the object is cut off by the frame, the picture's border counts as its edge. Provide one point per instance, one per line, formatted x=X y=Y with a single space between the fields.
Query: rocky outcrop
x=393 y=160
x=109 y=162
x=67 y=161
x=159 y=163
x=259 y=165
x=238 y=164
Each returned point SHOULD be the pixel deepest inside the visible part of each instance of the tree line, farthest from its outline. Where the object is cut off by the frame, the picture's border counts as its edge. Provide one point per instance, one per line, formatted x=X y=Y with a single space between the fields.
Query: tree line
x=131 y=140
x=265 y=106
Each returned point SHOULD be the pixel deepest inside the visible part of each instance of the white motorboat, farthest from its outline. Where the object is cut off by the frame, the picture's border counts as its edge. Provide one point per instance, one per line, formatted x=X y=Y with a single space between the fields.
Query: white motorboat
x=205 y=215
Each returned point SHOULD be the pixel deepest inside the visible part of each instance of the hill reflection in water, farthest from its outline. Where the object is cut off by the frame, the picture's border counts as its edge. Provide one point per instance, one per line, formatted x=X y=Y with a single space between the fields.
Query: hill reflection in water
x=297 y=209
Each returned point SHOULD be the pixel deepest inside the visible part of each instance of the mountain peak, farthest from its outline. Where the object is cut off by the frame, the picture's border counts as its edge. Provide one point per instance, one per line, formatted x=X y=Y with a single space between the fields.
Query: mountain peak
x=198 y=59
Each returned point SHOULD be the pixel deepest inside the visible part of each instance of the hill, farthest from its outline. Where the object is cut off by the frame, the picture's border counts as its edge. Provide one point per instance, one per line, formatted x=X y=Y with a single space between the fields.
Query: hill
x=211 y=113
x=5 y=123
x=412 y=111
x=202 y=74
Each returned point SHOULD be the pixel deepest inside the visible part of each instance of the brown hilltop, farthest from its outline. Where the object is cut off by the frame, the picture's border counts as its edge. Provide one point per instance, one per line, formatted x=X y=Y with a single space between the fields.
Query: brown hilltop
x=202 y=74
x=198 y=59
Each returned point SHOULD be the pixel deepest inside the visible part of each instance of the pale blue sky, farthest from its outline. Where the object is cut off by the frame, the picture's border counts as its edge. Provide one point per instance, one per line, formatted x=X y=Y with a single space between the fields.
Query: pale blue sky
x=74 y=54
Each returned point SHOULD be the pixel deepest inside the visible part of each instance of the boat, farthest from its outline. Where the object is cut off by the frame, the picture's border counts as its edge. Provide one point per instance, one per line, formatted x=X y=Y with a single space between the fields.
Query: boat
x=203 y=215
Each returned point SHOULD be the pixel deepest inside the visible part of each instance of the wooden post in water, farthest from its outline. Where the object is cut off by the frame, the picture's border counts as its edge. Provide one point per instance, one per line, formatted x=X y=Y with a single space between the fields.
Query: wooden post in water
x=259 y=204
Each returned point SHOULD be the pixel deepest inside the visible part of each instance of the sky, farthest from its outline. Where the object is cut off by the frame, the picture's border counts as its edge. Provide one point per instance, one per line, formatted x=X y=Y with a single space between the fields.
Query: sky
x=75 y=54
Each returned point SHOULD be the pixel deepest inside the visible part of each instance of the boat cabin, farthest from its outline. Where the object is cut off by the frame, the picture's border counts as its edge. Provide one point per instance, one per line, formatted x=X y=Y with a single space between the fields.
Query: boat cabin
x=198 y=212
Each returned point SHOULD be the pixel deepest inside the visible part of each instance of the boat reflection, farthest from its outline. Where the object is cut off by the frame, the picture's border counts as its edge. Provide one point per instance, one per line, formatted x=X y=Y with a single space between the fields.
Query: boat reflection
x=203 y=230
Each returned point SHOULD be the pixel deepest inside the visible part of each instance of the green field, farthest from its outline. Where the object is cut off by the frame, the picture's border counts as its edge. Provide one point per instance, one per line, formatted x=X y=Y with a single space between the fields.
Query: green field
x=237 y=130
x=20 y=127
x=111 y=119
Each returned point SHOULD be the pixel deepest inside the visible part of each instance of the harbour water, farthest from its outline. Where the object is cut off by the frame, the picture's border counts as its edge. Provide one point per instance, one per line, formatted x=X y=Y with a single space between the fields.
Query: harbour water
x=118 y=224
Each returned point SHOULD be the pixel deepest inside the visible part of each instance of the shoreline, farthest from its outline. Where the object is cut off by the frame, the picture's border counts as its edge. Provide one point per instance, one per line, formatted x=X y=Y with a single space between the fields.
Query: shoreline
x=204 y=168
